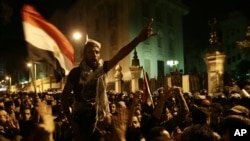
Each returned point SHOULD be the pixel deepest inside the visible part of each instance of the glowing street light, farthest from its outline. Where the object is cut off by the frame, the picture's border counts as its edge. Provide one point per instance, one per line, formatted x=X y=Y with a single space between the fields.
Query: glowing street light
x=29 y=65
x=77 y=35
x=172 y=63
x=8 y=78
x=32 y=70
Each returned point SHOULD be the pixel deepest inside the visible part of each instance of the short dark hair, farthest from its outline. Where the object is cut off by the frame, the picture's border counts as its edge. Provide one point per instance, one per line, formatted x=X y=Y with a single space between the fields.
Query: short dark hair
x=217 y=106
x=200 y=115
x=200 y=132
x=233 y=122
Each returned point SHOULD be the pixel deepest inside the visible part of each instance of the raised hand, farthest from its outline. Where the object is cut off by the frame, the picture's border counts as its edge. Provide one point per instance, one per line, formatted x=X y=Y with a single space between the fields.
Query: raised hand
x=166 y=92
x=45 y=112
x=177 y=90
x=147 y=31
x=119 y=124
x=12 y=124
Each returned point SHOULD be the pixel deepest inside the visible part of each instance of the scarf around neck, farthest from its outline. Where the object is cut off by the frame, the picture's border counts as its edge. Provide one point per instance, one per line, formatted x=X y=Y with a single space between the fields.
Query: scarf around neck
x=101 y=100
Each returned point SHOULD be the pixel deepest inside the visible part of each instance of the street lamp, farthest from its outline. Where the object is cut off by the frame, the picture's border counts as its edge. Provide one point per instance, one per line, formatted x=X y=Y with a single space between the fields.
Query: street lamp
x=77 y=37
x=8 y=78
x=29 y=65
x=32 y=74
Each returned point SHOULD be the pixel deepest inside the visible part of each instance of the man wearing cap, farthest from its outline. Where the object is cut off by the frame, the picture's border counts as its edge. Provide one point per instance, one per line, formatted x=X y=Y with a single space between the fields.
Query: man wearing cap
x=86 y=83
x=239 y=110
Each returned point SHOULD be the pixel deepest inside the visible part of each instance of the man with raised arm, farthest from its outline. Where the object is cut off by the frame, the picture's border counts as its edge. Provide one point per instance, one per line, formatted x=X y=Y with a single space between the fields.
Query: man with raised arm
x=86 y=83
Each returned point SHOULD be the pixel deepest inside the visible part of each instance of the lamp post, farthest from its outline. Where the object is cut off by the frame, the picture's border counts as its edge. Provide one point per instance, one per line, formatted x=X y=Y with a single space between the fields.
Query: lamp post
x=77 y=36
x=29 y=65
x=32 y=74
x=9 y=79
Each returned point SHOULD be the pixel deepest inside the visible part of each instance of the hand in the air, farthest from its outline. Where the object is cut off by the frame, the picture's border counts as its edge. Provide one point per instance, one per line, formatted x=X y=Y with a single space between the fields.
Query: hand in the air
x=147 y=31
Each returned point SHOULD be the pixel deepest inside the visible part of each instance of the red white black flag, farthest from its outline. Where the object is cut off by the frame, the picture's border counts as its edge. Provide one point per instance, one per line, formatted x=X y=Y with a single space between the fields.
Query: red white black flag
x=147 y=95
x=45 y=43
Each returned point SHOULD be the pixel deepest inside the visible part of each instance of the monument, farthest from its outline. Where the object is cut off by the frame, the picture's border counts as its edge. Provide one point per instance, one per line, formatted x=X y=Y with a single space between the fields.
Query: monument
x=135 y=71
x=214 y=59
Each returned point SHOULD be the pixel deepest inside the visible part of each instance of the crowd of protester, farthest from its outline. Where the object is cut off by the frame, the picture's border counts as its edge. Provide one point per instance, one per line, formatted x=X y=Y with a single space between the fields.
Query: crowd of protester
x=174 y=115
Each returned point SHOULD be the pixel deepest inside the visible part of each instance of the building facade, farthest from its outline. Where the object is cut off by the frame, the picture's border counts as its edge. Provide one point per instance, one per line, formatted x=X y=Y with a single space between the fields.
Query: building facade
x=115 y=23
x=233 y=29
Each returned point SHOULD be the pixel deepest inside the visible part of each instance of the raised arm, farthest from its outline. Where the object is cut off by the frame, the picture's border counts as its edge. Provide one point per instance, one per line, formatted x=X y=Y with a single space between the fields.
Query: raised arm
x=163 y=97
x=145 y=33
x=132 y=107
x=182 y=112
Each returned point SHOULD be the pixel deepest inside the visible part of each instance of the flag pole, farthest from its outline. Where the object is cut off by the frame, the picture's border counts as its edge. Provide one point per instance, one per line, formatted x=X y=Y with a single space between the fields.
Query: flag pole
x=33 y=76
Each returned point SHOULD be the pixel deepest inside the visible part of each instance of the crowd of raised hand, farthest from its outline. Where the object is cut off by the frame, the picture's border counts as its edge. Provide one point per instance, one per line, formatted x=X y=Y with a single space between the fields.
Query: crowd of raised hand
x=175 y=116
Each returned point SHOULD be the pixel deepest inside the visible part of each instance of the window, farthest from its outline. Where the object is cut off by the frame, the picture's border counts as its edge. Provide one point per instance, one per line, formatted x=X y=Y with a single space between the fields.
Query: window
x=160 y=67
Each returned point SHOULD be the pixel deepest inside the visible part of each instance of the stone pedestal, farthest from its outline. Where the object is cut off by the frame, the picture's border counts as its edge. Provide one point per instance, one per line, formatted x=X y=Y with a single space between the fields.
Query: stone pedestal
x=135 y=76
x=118 y=79
x=215 y=70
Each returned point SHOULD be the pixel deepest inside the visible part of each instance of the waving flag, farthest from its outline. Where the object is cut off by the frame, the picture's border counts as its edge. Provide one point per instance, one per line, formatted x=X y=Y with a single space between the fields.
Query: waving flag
x=147 y=95
x=45 y=43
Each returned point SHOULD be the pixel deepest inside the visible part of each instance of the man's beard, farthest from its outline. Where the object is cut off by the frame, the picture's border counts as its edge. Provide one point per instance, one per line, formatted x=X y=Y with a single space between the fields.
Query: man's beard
x=93 y=63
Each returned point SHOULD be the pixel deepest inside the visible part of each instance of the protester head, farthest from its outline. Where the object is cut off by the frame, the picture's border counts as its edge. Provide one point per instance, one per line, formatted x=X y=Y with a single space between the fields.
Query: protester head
x=112 y=108
x=201 y=115
x=216 y=110
x=159 y=133
x=3 y=116
x=135 y=122
x=205 y=103
x=176 y=134
x=231 y=124
x=200 y=132
x=239 y=110
x=234 y=98
x=203 y=92
x=26 y=113
x=187 y=96
x=91 y=53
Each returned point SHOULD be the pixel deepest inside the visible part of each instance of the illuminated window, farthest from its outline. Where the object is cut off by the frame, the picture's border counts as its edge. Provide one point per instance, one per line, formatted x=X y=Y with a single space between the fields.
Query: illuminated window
x=172 y=63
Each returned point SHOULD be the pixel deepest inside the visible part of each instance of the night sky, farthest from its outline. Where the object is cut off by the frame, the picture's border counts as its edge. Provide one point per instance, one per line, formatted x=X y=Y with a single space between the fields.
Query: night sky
x=12 y=44
x=195 y=26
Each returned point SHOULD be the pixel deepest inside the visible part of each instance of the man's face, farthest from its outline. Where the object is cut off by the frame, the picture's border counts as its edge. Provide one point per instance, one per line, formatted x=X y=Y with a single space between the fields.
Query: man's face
x=3 y=117
x=92 y=56
x=135 y=122
x=27 y=114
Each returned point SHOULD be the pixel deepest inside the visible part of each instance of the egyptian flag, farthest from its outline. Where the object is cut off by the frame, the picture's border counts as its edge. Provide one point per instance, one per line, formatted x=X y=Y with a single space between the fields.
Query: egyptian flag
x=147 y=95
x=45 y=43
